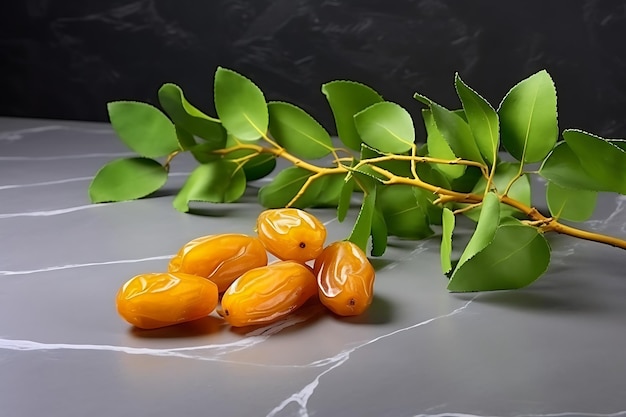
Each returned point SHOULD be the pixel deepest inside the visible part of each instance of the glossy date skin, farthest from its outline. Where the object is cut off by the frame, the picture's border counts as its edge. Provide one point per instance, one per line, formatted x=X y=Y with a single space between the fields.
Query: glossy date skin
x=153 y=300
x=220 y=258
x=269 y=293
x=345 y=279
x=291 y=234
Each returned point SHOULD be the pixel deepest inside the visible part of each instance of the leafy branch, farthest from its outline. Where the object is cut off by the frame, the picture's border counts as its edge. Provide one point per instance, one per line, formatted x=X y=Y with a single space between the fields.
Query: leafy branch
x=407 y=188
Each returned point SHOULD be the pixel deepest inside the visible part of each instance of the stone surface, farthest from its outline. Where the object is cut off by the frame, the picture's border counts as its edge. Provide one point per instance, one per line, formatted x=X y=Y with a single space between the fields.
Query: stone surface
x=553 y=349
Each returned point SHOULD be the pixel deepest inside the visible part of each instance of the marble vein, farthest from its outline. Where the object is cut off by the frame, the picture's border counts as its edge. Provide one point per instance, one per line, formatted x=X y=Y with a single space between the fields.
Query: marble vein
x=560 y=414
x=56 y=212
x=301 y=398
x=19 y=134
x=73 y=266
x=88 y=264
x=620 y=205
x=216 y=352
x=210 y=352
x=565 y=250
x=69 y=180
x=62 y=157
x=44 y=183
x=422 y=246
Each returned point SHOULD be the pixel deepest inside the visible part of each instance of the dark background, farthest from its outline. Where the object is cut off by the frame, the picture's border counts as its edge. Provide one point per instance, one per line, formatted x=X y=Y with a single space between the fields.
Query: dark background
x=66 y=59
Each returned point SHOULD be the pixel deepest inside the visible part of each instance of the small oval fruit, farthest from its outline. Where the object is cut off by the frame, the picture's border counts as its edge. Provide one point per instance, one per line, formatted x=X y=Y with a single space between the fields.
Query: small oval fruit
x=220 y=258
x=268 y=293
x=291 y=234
x=345 y=278
x=154 y=300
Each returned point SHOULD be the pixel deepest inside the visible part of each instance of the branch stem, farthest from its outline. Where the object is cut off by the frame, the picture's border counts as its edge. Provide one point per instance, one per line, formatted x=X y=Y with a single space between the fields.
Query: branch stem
x=546 y=224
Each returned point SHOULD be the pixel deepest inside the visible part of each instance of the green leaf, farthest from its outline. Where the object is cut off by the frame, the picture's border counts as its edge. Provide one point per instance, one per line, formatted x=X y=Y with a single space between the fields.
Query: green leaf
x=429 y=174
x=456 y=131
x=403 y=214
x=254 y=168
x=528 y=118
x=386 y=126
x=143 y=128
x=448 y=222
x=432 y=176
x=520 y=190
x=259 y=167
x=286 y=186
x=439 y=148
x=347 y=98
x=570 y=204
x=425 y=200
x=482 y=119
x=620 y=143
x=188 y=117
x=219 y=181
x=127 y=179
x=363 y=225
x=517 y=256
x=298 y=132
x=601 y=159
x=400 y=168
x=379 y=234
x=564 y=168
x=485 y=229
x=330 y=190
x=346 y=196
x=185 y=139
x=202 y=152
x=466 y=182
x=423 y=99
x=240 y=105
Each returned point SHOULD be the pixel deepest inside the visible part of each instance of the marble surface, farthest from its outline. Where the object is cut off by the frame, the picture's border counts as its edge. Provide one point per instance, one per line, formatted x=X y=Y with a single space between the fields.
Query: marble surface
x=554 y=349
x=65 y=59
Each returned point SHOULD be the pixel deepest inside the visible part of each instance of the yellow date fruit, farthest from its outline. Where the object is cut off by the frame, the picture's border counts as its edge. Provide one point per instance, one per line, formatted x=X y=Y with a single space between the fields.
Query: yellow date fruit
x=268 y=293
x=345 y=278
x=220 y=258
x=291 y=234
x=154 y=300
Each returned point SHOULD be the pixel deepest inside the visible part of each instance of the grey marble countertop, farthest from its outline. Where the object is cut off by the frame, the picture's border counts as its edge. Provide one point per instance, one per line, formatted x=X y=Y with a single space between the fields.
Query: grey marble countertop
x=556 y=348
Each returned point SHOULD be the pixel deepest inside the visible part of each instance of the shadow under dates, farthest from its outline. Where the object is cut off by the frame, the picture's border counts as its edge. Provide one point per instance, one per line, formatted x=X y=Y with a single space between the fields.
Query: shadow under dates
x=379 y=312
x=380 y=263
x=196 y=328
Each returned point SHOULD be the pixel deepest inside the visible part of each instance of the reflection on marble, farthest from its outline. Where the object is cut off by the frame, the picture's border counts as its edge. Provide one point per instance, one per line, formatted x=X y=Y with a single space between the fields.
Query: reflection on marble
x=214 y=352
x=301 y=398
x=554 y=349
x=568 y=414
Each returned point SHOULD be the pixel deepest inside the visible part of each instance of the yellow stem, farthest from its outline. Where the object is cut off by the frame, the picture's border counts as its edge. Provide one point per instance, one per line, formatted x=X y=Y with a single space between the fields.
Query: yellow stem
x=421 y=159
x=552 y=225
x=490 y=180
x=445 y=195
x=282 y=153
x=467 y=208
x=304 y=187
x=169 y=159
x=549 y=224
x=413 y=167
x=520 y=172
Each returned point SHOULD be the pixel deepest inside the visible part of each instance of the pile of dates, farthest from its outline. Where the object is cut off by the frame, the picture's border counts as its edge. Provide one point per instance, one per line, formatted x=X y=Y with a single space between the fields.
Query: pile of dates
x=230 y=274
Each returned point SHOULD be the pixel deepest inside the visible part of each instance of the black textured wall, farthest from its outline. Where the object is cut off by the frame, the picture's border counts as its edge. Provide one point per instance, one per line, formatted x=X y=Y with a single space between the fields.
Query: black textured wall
x=66 y=59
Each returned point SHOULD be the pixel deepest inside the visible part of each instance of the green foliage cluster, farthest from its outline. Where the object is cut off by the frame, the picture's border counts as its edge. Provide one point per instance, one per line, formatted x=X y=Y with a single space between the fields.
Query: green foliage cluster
x=408 y=189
